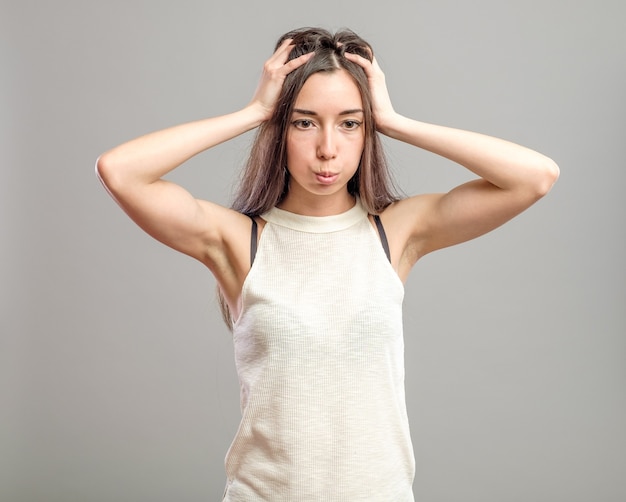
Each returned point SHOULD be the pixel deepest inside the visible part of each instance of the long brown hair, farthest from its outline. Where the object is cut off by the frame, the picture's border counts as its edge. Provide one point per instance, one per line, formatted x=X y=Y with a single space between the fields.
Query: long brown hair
x=264 y=181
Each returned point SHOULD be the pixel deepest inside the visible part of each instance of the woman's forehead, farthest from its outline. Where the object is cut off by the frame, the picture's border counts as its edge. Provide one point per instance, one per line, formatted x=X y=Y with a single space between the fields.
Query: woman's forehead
x=324 y=89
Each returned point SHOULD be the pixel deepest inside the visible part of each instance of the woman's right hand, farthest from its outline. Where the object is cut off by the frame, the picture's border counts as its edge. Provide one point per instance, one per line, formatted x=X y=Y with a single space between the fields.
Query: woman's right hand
x=275 y=69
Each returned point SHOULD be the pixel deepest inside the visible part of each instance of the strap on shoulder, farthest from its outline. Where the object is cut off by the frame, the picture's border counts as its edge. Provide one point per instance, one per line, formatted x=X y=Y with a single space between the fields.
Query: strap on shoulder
x=253 y=240
x=383 y=236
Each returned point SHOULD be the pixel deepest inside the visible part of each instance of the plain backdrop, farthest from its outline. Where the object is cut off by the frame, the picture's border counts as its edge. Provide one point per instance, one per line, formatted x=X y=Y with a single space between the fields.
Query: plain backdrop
x=117 y=380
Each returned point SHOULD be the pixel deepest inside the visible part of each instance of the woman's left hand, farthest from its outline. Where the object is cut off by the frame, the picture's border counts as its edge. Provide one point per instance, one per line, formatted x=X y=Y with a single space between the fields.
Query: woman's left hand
x=382 y=107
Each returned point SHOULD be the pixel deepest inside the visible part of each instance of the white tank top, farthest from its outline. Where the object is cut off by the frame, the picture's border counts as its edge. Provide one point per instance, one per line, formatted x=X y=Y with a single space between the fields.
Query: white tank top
x=320 y=357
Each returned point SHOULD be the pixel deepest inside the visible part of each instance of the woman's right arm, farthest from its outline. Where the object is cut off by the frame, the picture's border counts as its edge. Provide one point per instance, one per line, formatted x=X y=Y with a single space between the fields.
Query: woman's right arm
x=133 y=173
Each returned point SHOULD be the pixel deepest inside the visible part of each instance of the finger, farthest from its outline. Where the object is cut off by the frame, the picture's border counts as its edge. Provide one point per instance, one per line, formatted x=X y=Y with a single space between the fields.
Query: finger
x=285 y=47
x=364 y=63
x=280 y=55
x=371 y=68
x=297 y=62
x=356 y=58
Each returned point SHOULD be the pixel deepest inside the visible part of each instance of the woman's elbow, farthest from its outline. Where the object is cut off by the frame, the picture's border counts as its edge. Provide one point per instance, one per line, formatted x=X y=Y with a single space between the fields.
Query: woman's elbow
x=107 y=171
x=547 y=174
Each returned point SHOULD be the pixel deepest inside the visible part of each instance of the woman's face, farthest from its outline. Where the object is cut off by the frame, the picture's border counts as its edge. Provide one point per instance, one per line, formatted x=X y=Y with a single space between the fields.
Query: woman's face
x=325 y=138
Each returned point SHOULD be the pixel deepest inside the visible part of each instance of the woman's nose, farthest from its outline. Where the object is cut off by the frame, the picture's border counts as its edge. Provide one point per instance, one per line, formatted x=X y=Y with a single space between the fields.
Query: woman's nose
x=327 y=146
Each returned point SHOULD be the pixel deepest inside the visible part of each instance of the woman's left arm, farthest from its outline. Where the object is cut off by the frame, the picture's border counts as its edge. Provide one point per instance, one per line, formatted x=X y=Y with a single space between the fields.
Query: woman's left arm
x=511 y=177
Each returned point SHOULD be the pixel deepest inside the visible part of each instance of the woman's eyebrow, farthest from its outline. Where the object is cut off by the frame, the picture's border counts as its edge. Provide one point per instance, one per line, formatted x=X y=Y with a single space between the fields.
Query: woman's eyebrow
x=310 y=112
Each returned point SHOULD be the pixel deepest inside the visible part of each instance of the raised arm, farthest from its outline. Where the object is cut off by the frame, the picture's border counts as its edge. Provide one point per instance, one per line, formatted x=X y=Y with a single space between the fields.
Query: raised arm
x=133 y=174
x=133 y=171
x=510 y=179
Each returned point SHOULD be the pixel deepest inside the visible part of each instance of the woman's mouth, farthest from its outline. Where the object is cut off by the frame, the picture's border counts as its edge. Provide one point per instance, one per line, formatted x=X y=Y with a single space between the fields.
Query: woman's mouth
x=326 y=178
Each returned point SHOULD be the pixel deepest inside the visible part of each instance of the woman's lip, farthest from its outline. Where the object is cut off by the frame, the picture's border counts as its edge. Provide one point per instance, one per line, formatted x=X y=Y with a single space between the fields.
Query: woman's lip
x=326 y=178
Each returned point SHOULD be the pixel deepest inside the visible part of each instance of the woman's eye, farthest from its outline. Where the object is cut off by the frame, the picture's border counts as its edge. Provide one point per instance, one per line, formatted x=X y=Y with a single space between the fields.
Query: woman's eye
x=351 y=124
x=303 y=123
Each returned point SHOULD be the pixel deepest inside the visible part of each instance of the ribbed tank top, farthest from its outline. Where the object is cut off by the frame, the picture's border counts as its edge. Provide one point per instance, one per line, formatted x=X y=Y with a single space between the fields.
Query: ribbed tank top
x=320 y=356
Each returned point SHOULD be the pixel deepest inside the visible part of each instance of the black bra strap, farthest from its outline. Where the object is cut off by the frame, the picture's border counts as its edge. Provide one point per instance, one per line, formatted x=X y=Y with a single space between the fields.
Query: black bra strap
x=253 y=240
x=383 y=236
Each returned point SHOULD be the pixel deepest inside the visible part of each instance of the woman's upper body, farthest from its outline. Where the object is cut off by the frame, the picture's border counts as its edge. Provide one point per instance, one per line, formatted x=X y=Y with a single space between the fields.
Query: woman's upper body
x=328 y=121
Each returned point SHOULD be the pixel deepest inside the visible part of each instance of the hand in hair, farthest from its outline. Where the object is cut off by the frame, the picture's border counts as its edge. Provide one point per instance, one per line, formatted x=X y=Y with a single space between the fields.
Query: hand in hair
x=275 y=69
x=381 y=106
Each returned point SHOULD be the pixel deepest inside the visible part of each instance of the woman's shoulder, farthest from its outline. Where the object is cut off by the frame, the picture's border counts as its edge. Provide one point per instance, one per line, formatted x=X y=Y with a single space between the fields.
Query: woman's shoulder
x=409 y=209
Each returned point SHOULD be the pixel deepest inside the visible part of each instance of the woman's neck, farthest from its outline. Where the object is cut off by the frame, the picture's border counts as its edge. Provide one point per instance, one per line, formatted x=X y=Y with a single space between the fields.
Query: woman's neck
x=318 y=205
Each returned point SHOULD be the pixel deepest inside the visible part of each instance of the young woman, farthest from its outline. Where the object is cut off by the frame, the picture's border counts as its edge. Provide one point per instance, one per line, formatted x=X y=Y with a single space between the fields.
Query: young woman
x=312 y=257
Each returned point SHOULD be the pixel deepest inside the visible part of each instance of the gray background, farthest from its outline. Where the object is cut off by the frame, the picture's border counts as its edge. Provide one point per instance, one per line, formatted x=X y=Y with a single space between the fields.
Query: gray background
x=117 y=381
